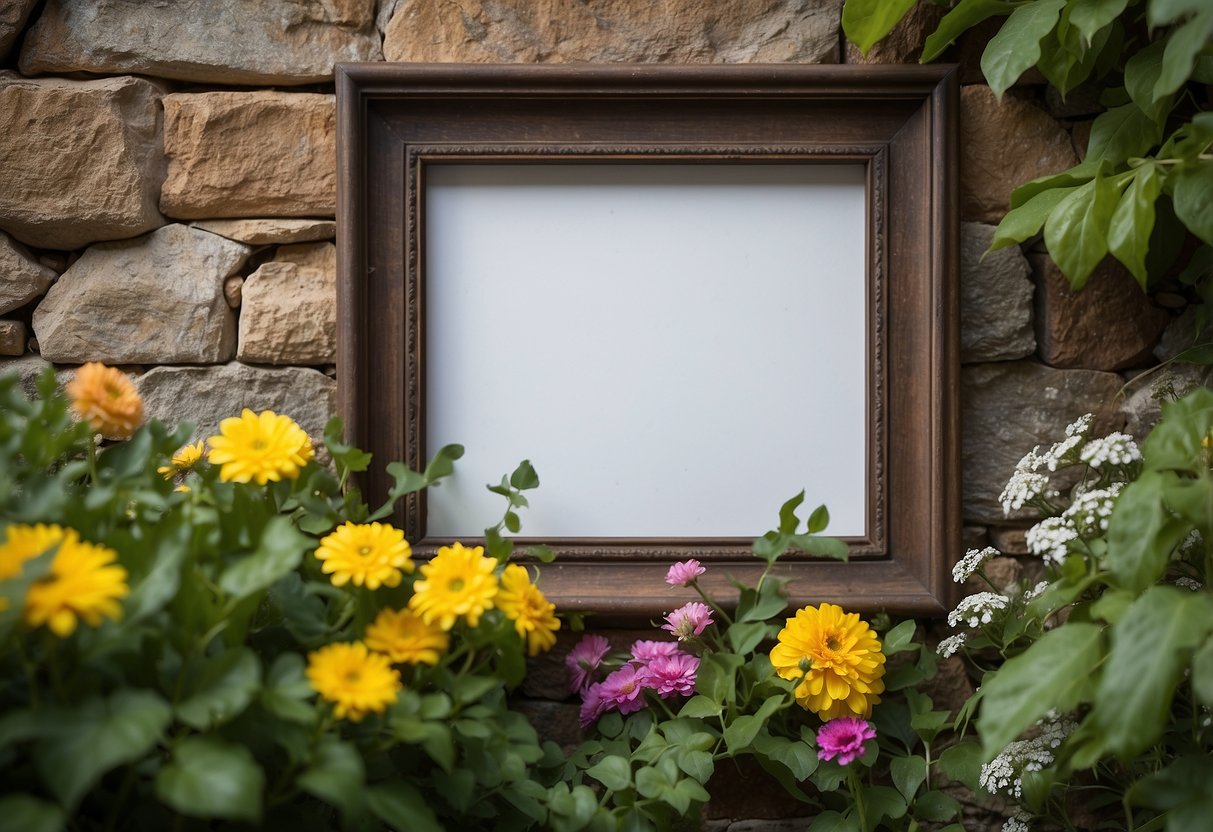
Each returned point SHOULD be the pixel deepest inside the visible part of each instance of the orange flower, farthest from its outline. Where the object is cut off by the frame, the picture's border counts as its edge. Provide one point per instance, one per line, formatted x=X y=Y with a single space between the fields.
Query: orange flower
x=106 y=399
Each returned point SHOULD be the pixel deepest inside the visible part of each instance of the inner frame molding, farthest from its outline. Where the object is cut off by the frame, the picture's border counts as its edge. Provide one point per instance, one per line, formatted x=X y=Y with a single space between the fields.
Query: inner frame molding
x=899 y=123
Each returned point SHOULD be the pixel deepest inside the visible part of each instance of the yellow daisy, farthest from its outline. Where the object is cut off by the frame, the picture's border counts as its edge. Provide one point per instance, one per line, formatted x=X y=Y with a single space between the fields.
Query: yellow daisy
x=354 y=679
x=259 y=447
x=83 y=582
x=185 y=459
x=839 y=658
x=106 y=399
x=404 y=637
x=458 y=582
x=22 y=543
x=369 y=555
x=533 y=615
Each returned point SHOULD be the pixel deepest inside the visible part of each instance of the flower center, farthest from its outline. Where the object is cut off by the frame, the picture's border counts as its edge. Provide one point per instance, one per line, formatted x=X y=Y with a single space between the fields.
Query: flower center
x=113 y=393
x=456 y=584
x=364 y=550
x=831 y=643
x=260 y=445
x=353 y=677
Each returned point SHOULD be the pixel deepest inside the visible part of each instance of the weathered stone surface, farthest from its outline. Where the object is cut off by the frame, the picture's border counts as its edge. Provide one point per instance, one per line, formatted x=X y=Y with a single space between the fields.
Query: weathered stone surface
x=1183 y=333
x=1083 y=101
x=974 y=537
x=1009 y=541
x=13 y=14
x=1143 y=406
x=322 y=256
x=205 y=396
x=995 y=299
x=559 y=722
x=1002 y=573
x=28 y=368
x=270 y=231
x=233 y=289
x=250 y=154
x=563 y=31
x=211 y=41
x=1108 y=325
x=951 y=688
x=743 y=789
x=156 y=299
x=1002 y=147
x=904 y=44
x=288 y=315
x=21 y=278
x=12 y=338
x=81 y=159
x=1010 y=406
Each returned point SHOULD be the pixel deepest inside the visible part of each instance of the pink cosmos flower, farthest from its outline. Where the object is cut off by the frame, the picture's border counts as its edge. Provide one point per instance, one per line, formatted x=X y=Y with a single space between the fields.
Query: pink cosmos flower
x=645 y=651
x=584 y=659
x=844 y=738
x=592 y=705
x=688 y=620
x=622 y=690
x=670 y=675
x=683 y=574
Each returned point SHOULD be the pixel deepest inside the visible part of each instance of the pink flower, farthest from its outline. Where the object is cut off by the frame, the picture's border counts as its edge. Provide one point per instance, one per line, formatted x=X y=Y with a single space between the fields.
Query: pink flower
x=645 y=651
x=688 y=620
x=684 y=574
x=623 y=690
x=670 y=675
x=592 y=706
x=844 y=738
x=584 y=659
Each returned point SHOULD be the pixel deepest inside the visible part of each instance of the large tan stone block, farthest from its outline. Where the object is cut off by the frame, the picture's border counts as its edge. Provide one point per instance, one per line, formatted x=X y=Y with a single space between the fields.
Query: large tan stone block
x=250 y=154
x=82 y=160
x=1002 y=146
x=210 y=41
x=267 y=231
x=565 y=31
x=288 y=315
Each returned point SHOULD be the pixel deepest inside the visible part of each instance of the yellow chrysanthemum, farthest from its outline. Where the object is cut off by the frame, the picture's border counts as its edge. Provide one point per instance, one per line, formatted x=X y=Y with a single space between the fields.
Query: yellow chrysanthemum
x=533 y=615
x=355 y=680
x=259 y=447
x=185 y=459
x=369 y=555
x=458 y=582
x=404 y=637
x=106 y=399
x=83 y=582
x=22 y=543
x=839 y=658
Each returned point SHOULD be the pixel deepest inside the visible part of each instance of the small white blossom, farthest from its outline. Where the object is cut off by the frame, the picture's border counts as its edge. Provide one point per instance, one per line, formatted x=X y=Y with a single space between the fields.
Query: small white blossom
x=951 y=644
x=1004 y=774
x=1184 y=582
x=973 y=560
x=1022 y=488
x=1019 y=822
x=1050 y=539
x=1191 y=545
x=1035 y=592
x=1114 y=449
x=1061 y=452
x=977 y=609
x=1089 y=512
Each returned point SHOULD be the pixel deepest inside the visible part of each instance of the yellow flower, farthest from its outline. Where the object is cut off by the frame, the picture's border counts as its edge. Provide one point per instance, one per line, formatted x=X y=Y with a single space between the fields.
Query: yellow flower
x=370 y=555
x=839 y=658
x=355 y=680
x=22 y=543
x=404 y=637
x=106 y=399
x=83 y=582
x=533 y=615
x=457 y=582
x=183 y=460
x=259 y=447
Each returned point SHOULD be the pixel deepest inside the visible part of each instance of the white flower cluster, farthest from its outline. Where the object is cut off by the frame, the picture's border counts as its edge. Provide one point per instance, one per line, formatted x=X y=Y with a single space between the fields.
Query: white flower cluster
x=1114 y=449
x=973 y=560
x=1089 y=512
x=1184 y=582
x=977 y=609
x=951 y=644
x=1019 y=822
x=1035 y=591
x=1023 y=487
x=1060 y=453
x=1191 y=545
x=1050 y=539
x=1004 y=774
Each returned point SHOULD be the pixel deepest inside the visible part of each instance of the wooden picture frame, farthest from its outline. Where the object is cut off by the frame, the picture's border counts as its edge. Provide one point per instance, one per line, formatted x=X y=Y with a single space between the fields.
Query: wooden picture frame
x=898 y=123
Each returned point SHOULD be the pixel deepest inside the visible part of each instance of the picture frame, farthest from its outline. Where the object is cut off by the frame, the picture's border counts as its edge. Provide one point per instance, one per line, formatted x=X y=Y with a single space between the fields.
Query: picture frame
x=412 y=135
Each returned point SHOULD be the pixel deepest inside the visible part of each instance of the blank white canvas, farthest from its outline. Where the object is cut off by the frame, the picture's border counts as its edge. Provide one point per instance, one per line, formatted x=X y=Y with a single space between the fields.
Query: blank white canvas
x=677 y=348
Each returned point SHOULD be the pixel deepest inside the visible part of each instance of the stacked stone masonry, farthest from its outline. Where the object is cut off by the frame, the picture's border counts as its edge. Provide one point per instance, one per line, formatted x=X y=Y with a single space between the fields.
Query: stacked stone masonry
x=169 y=189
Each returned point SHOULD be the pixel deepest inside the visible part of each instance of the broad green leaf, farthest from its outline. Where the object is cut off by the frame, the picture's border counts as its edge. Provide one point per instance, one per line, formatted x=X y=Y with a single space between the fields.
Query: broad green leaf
x=831 y=821
x=741 y=732
x=344 y=455
x=1177 y=442
x=965 y=15
x=788 y=521
x=650 y=782
x=744 y=636
x=697 y=764
x=962 y=762
x=401 y=806
x=866 y=21
x=800 y=757
x=1133 y=221
x=1080 y=175
x=222 y=689
x=700 y=706
x=883 y=801
x=1151 y=643
x=1120 y=134
x=81 y=744
x=1090 y=16
x=407 y=481
x=1183 y=789
x=1054 y=673
x=287 y=690
x=29 y=814
x=1016 y=47
x=1183 y=45
x=1202 y=673
x=336 y=775
x=613 y=772
x=212 y=778
x=1142 y=533
x=818 y=520
x=278 y=552
x=1076 y=233
x=1142 y=71
x=716 y=678
x=1162 y=12
x=936 y=806
x=899 y=638
x=443 y=463
x=524 y=476
x=908 y=774
x=1193 y=197
x=159 y=585
x=1025 y=221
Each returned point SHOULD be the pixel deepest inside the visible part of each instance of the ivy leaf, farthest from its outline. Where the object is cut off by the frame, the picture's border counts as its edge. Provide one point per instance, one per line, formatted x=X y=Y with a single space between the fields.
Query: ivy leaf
x=336 y=776
x=1133 y=222
x=788 y=521
x=278 y=553
x=1120 y=134
x=1076 y=233
x=1142 y=71
x=613 y=772
x=401 y=806
x=1090 y=16
x=343 y=454
x=1025 y=221
x=867 y=21
x=1193 y=197
x=908 y=774
x=1016 y=47
x=212 y=778
x=524 y=476
x=224 y=688
x=1182 y=790
x=443 y=463
x=966 y=15
x=899 y=638
x=1142 y=532
x=1179 y=59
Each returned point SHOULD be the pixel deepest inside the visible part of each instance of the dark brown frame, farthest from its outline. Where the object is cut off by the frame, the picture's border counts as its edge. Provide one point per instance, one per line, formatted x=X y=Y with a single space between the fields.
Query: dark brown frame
x=900 y=122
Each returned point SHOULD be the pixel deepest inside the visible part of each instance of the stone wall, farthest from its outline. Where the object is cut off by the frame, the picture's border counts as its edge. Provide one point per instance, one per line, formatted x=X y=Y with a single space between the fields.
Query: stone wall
x=167 y=194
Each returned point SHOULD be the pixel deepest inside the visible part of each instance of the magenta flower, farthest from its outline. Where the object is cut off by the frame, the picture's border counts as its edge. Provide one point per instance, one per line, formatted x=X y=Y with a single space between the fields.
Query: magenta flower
x=645 y=651
x=844 y=738
x=623 y=690
x=592 y=705
x=584 y=659
x=671 y=675
x=688 y=620
x=684 y=574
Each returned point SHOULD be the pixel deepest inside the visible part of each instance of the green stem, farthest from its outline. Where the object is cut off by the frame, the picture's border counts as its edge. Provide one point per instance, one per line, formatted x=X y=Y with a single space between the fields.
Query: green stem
x=92 y=458
x=708 y=599
x=857 y=796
